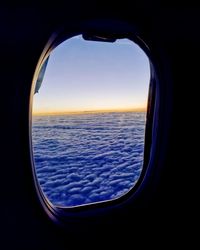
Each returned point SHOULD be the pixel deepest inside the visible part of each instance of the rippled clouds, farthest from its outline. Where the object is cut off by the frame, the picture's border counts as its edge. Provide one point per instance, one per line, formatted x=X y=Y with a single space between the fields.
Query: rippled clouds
x=87 y=158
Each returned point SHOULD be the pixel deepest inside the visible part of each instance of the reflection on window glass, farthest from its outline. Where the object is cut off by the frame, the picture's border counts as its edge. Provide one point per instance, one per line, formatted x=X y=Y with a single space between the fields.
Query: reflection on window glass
x=88 y=123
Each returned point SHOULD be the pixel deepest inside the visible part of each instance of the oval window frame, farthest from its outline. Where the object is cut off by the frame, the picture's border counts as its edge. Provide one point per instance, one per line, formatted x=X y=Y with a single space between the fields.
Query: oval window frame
x=110 y=29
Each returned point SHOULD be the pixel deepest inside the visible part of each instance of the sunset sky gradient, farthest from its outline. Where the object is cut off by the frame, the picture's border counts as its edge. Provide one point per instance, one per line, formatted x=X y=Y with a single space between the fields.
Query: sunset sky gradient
x=87 y=76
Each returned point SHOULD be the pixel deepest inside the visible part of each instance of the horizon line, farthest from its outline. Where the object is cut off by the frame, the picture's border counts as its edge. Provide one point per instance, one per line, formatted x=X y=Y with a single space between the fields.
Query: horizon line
x=48 y=113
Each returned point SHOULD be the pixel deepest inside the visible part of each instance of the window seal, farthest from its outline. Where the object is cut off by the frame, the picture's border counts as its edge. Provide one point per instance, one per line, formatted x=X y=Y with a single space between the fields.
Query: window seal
x=113 y=29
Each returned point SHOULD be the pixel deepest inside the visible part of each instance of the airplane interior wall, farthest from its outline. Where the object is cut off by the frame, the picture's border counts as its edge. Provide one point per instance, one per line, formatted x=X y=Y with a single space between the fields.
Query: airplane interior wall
x=165 y=210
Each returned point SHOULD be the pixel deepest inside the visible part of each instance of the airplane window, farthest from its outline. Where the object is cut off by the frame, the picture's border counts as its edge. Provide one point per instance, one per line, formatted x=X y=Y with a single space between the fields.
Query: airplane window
x=88 y=121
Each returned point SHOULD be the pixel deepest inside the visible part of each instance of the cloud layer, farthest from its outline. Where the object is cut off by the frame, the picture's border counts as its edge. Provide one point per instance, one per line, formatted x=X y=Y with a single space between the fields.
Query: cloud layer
x=87 y=158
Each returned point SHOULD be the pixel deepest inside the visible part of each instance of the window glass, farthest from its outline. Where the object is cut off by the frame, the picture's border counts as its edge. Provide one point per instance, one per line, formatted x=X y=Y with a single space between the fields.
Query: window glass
x=88 y=121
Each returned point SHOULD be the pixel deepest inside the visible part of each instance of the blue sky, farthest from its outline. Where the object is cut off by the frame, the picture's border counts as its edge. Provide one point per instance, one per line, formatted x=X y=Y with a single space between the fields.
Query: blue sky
x=89 y=76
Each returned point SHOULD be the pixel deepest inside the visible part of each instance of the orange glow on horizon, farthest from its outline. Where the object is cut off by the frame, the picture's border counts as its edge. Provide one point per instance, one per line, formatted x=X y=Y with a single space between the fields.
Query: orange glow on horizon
x=76 y=112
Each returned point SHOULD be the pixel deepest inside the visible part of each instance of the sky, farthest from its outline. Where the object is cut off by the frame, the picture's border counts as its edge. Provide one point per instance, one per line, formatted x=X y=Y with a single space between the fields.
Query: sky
x=84 y=76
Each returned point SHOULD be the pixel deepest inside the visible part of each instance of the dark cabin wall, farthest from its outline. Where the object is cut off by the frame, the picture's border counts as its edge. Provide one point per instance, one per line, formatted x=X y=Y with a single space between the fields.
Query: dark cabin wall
x=173 y=36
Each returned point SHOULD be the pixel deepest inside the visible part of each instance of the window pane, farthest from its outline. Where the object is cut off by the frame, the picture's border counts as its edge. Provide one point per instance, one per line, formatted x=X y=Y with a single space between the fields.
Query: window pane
x=88 y=121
